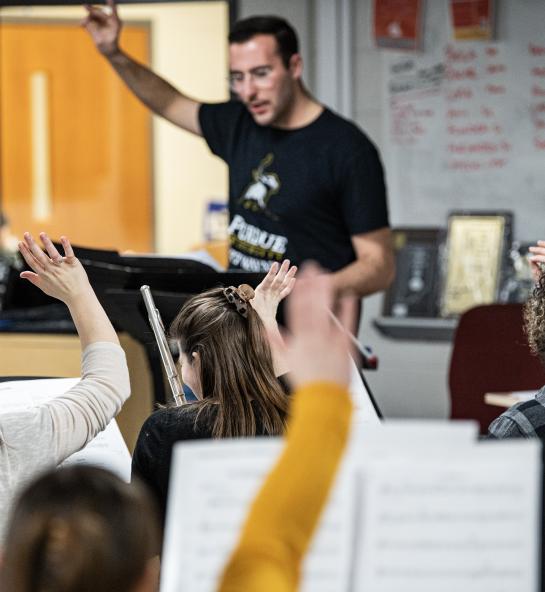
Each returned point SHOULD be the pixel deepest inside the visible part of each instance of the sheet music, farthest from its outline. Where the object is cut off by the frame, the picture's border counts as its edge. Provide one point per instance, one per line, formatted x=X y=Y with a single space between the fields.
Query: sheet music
x=212 y=486
x=17 y=395
x=418 y=504
x=107 y=450
x=467 y=520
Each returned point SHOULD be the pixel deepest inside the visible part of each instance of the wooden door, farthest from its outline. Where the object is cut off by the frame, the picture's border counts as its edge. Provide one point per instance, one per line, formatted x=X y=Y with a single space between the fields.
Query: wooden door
x=75 y=145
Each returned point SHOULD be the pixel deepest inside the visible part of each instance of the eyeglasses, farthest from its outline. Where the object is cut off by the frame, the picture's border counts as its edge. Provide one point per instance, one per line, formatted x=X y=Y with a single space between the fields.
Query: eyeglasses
x=260 y=77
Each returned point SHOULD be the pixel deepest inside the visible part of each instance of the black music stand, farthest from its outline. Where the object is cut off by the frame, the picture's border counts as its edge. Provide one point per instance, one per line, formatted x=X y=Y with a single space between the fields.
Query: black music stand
x=27 y=309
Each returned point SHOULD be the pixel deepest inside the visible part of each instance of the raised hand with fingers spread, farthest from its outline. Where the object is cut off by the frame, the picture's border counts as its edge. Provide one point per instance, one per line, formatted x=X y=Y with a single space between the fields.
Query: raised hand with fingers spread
x=537 y=259
x=103 y=27
x=63 y=277
x=60 y=277
x=275 y=286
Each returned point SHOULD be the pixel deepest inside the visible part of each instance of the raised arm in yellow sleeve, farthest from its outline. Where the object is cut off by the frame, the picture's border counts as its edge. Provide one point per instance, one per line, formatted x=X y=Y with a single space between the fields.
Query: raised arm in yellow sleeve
x=284 y=515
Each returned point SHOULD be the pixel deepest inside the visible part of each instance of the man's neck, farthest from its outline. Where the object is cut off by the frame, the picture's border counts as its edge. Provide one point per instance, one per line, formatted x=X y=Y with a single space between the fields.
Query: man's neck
x=302 y=112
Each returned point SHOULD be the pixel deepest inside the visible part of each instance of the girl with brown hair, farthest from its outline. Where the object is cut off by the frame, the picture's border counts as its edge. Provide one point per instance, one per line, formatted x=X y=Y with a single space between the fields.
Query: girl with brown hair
x=223 y=336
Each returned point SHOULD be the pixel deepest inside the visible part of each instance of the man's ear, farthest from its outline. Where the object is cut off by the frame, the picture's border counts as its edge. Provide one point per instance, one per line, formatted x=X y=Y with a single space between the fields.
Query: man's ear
x=296 y=66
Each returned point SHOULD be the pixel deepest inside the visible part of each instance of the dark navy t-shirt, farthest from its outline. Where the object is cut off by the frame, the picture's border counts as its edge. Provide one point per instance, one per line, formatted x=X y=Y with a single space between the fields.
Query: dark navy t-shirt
x=297 y=194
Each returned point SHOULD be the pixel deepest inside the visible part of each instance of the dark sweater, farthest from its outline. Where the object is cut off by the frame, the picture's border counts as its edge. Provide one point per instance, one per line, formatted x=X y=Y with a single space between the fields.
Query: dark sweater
x=153 y=451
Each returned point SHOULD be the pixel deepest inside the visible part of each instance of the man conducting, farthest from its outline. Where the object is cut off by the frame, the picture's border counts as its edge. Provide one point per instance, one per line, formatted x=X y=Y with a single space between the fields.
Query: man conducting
x=304 y=183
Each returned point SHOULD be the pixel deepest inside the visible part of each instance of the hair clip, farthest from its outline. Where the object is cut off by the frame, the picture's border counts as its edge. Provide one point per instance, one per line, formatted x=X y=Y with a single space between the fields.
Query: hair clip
x=246 y=292
x=234 y=298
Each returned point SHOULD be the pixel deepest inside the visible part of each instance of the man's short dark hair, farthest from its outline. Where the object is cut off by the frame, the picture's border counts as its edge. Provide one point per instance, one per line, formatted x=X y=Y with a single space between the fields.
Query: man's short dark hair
x=279 y=28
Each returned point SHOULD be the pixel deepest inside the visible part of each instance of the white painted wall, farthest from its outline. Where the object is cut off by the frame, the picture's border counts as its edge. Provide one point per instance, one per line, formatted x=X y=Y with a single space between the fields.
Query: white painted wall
x=412 y=377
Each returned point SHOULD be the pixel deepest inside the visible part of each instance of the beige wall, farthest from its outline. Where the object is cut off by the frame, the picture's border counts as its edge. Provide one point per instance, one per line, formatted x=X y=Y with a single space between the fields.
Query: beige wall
x=189 y=48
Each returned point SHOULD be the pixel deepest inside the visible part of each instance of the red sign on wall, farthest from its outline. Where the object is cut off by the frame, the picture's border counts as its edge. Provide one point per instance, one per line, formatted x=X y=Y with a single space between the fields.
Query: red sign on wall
x=472 y=19
x=398 y=23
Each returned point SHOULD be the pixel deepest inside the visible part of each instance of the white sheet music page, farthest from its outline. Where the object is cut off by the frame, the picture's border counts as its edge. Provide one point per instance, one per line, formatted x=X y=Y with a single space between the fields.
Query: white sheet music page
x=21 y=394
x=449 y=518
x=107 y=450
x=212 y=487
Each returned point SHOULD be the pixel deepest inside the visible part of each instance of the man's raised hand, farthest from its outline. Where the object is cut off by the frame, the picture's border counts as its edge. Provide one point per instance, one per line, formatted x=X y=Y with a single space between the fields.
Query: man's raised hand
x=104 y=27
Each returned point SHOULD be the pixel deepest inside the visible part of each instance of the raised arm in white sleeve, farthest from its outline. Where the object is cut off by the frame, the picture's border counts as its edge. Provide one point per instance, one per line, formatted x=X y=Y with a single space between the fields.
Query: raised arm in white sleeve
x=43 y=436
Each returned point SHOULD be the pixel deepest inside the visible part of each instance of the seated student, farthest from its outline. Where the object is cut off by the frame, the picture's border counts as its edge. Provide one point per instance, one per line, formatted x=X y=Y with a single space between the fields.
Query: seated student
x=285 y=513
x=226 y=360
x=80 y=529
x=527 y=419
x=43 y=436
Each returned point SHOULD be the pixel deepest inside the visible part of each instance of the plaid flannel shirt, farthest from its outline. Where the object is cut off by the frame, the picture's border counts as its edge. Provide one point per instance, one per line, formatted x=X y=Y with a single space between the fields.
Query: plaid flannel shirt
x=523 y=420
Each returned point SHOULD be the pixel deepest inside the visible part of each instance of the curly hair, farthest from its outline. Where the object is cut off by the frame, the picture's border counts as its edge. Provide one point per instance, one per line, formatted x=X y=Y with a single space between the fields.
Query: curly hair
x=534 y=319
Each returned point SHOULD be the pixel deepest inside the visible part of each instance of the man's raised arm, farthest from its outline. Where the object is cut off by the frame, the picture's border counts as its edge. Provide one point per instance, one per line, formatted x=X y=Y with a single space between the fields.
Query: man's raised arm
x=157 y=94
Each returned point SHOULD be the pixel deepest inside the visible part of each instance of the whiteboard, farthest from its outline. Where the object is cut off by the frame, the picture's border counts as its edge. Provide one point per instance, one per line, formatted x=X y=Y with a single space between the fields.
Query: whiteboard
x=465 y=121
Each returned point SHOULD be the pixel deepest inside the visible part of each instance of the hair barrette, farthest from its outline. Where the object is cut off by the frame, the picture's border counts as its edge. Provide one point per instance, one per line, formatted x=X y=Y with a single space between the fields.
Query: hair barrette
x=237 y=299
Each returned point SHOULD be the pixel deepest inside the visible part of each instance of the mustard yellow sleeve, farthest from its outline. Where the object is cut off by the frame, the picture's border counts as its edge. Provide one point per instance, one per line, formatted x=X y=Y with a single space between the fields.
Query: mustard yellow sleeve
x=284 y=515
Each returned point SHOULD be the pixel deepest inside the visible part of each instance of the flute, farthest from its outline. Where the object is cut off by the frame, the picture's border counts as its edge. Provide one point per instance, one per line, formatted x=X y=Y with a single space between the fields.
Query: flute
x=164 y=349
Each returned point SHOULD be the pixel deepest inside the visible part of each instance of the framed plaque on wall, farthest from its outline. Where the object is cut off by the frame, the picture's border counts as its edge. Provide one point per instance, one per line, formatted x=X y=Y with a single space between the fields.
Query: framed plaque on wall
x=476 y=252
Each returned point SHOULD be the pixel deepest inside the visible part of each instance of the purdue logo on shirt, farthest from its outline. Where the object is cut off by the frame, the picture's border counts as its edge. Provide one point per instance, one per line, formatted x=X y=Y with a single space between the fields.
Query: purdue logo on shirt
x=264 y=185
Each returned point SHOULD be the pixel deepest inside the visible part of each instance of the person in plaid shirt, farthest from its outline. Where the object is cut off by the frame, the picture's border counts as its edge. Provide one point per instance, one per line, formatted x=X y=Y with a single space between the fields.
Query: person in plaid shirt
x=527 y=419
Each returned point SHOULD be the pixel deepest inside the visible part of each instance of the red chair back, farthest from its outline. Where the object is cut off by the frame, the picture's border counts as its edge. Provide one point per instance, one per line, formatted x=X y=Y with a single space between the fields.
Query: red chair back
x=490 y=354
